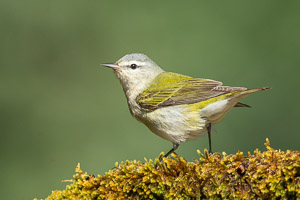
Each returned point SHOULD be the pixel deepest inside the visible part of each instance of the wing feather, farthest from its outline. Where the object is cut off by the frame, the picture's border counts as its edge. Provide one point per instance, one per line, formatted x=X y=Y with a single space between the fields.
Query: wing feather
x=184 y=90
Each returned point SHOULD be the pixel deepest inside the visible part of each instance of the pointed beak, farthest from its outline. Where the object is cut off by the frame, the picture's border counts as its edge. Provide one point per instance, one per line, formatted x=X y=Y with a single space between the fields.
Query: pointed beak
x=111 y=65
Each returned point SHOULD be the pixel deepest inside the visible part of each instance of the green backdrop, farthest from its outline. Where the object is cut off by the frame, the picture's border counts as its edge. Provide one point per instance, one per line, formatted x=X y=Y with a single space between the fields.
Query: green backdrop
x=60 y=107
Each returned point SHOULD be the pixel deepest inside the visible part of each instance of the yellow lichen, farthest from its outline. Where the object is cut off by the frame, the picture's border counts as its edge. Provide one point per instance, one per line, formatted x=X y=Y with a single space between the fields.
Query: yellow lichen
x=272 y=174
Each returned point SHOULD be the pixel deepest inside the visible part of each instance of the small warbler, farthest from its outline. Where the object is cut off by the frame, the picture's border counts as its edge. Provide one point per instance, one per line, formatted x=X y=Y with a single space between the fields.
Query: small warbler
x=175 y=107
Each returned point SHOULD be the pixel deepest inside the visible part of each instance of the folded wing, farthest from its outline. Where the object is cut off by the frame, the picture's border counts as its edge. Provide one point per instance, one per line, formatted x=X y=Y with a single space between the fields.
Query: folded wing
x=184 y=90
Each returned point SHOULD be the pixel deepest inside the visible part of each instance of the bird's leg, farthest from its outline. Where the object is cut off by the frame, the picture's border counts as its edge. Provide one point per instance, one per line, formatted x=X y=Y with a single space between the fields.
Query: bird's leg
x=209 y=137
x=175 y=146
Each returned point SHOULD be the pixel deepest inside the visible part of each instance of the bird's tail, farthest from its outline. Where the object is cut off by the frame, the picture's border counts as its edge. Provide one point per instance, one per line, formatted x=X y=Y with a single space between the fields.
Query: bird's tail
x=249 y=91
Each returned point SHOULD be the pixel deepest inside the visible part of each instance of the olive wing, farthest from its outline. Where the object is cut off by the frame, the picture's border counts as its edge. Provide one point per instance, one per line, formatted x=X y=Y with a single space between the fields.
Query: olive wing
x=182 y=92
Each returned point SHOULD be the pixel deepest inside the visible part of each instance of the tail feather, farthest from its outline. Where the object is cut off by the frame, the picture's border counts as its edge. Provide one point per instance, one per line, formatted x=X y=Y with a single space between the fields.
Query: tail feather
x=239 y=104
x=257 y=89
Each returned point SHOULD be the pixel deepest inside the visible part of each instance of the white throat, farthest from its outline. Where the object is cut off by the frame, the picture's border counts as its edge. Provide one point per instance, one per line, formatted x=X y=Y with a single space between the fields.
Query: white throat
x=135 y=86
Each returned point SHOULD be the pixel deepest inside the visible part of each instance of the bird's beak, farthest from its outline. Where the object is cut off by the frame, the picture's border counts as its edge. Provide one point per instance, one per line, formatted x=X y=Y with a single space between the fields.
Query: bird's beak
x=111 y=65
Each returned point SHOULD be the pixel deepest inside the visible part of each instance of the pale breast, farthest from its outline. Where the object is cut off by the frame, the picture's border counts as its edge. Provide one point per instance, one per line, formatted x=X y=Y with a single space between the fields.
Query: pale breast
x=175 y=123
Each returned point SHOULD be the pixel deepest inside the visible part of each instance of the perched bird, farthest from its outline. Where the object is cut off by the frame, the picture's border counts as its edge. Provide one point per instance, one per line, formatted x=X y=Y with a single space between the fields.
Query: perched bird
x=175 y=107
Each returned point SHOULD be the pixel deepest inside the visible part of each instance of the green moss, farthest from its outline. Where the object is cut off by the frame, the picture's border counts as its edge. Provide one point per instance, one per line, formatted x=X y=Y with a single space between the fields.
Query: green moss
x=272 y=174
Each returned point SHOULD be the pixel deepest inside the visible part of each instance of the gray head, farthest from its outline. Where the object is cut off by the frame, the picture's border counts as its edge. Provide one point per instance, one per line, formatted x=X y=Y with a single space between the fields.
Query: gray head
x=136 y=57
x=135 y=71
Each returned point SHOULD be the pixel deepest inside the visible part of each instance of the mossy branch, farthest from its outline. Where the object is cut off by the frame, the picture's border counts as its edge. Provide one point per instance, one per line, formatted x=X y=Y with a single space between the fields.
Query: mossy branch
x=272 y=174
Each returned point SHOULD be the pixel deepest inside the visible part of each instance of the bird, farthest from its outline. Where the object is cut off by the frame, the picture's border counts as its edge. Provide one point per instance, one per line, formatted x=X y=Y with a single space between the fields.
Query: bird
x=175 y=107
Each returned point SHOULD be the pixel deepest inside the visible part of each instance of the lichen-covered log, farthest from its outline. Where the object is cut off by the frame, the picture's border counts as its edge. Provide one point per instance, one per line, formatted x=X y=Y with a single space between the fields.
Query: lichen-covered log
x=272 y=174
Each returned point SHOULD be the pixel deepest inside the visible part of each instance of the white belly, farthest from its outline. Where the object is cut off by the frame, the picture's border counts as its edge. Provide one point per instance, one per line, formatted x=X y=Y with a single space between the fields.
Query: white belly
x=175 y=123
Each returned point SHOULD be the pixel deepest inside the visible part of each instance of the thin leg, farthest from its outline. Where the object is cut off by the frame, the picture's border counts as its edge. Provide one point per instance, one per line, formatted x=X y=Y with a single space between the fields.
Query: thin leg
x=209 y=137
x=175 y=146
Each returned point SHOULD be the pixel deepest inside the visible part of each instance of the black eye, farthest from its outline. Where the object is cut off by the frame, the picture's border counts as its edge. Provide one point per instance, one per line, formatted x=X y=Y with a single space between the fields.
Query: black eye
x=133 y=66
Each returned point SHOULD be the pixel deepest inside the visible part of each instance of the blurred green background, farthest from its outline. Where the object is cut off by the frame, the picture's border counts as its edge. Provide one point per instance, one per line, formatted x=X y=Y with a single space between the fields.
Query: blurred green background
x=60 y=107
